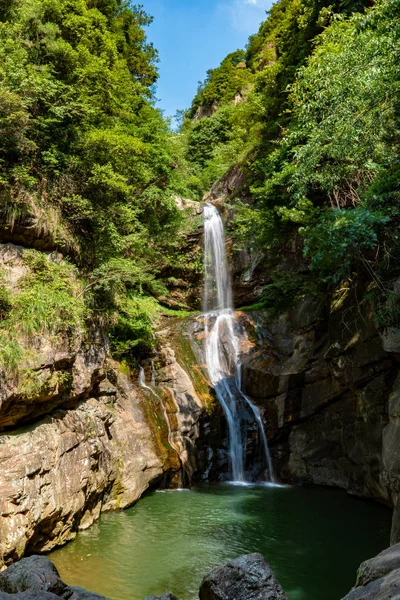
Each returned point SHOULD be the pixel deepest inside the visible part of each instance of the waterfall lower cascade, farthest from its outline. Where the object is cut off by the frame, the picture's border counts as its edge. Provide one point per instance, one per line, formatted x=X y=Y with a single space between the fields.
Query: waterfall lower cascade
x=222 y=347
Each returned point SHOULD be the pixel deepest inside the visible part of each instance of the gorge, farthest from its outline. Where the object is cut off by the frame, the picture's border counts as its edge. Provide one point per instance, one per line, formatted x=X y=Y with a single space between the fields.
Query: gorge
x=206 y=320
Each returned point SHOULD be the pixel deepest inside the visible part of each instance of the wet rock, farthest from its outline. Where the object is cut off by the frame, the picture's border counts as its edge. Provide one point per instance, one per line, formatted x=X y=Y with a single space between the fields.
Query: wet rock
x=36 y=578
x=246 y=578
x=328 y=395
x=375 y=568
x=185 y=405
x=379 y=577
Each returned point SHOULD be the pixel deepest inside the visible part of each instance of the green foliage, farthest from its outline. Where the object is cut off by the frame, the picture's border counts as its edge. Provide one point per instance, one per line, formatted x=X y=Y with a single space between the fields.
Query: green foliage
x=206 y=134
x=48 y=302
x=223 y=83
x=5 y=301
x=317 y=137
x=133 y=330
x=83 y=143
x=50 y=298
x=338 y=238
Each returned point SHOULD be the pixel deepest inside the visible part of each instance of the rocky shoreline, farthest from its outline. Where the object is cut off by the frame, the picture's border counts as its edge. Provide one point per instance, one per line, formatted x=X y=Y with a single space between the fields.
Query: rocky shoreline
x=248 y=577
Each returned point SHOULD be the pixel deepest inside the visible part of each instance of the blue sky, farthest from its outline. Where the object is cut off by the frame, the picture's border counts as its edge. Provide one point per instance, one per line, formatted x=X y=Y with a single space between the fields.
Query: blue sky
x=193 y=36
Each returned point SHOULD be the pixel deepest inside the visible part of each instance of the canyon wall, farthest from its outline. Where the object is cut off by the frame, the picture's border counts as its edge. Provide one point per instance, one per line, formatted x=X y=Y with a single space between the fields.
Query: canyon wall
x=78 y=436
x=328 y=383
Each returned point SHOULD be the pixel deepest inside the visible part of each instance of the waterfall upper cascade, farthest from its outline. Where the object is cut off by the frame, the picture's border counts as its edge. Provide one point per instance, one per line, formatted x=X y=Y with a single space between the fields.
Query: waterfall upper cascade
x=222 y=348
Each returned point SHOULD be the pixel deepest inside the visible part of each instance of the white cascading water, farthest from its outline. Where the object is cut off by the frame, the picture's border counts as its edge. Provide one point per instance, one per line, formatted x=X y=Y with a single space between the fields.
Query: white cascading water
x=222 y=346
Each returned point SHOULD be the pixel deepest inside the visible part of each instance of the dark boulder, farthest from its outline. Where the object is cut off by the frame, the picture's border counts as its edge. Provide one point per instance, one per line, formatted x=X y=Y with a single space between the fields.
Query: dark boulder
x=385 y=588
x=383 y=564
x=36 y=578
x=40 y=595
x=379 y=577
x=35 y=573
x=248 y=577
x=165 y=597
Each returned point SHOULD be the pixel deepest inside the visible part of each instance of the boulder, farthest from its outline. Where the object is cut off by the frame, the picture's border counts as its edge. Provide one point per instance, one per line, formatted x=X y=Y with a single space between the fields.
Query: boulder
x=165 y=597
x=33 y=573
x=383 y=564
x=379 y=577
x=248 y=577
x=36 y=578
x=29 y=596
x=385 y=588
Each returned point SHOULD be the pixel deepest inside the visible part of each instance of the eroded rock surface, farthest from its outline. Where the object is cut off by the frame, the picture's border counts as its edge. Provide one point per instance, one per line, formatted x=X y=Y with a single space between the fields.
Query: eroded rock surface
x=61 y=472
x=379 y=577
x=329 y=395
x=60 y=370
x=248 y=577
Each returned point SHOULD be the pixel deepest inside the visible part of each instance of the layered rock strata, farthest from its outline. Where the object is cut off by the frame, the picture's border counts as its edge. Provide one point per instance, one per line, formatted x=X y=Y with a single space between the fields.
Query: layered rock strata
x=58 y=474
x=329 y=390
x=78 y=437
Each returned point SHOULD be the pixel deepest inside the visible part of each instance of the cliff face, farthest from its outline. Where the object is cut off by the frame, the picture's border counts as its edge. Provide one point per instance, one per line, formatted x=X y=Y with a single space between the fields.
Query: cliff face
x=59 y=473
x=328 y=383
x=325 y=378
x=78 y=436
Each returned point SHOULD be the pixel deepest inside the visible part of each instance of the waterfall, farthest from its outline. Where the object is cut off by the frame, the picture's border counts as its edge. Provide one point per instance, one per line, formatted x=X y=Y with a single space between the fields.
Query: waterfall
x=222 y=346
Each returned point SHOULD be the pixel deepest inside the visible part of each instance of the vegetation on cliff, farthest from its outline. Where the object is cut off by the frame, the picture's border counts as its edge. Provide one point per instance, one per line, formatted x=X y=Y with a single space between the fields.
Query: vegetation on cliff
x=88 y=159
x=308 y=112
x=315 y=132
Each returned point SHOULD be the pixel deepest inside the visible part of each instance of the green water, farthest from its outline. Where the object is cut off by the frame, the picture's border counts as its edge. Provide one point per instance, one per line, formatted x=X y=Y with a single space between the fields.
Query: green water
x=314 y=539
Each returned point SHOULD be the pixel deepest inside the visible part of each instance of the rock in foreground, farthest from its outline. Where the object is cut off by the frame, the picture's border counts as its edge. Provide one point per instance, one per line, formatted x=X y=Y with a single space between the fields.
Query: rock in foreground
x=379 y=577
x=165 y=597
x=35 y=578
x=246 y=578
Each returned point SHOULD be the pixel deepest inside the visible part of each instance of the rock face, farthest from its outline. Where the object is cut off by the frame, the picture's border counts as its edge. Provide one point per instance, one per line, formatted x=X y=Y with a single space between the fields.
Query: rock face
x=329 y=393
x=246 y=578
x=37 y=578
x=77 y=437
x=190 y=411
x=378 y=578
x=184 y=279
x=391 y=456
x=60 y=371
x=61 y=472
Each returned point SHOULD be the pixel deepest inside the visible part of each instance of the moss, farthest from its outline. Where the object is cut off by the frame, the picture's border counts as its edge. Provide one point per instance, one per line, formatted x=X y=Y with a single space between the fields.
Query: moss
x=181 y=344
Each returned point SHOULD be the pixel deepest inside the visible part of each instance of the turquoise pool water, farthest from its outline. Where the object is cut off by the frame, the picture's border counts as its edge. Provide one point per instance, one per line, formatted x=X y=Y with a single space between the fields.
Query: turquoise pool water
x=314 y=539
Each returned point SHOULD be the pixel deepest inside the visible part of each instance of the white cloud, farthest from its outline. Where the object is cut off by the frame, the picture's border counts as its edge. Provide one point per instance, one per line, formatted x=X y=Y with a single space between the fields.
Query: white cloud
x=246 y=15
